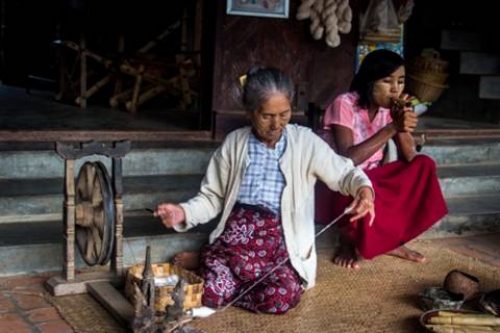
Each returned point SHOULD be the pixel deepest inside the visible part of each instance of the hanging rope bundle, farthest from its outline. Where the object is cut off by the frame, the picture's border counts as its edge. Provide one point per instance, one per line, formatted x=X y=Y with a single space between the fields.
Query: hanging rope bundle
x=329 y=18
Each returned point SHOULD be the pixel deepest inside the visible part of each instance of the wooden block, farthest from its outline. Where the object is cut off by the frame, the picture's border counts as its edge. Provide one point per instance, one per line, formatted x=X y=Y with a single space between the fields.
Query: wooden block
x=113 y=301
x=58 y=286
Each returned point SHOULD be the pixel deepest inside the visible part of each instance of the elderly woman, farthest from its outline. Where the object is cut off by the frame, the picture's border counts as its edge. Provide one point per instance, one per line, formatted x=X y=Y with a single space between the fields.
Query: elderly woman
x=409 y=199
x=262 y=179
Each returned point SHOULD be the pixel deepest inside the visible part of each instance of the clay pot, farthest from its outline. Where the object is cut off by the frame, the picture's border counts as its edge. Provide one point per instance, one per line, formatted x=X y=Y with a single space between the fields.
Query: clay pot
x=458 y=282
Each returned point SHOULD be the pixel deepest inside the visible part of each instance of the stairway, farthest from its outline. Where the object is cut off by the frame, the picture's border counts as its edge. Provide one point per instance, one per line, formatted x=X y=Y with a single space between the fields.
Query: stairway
x=478 y=59
x=469 y=175
x=31 y=202
x=31 y=197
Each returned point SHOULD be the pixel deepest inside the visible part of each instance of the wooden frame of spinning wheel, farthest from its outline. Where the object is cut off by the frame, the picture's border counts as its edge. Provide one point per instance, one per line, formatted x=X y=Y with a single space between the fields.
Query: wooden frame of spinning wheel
x=100 y=284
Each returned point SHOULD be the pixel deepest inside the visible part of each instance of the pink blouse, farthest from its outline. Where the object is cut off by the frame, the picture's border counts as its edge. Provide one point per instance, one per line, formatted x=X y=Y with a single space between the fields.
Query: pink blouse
x=345 y=111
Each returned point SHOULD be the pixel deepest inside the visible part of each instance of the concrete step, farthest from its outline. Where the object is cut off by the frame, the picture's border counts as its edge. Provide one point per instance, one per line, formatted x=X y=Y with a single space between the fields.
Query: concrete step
x=460 y=151
x=467 y=180
x=47 y=257
x=138 y=162
x=489 y=87
x=31 y=198
x=479 y=63
x=42 y=199
x=37 y=246
x=46 y=232
x=34 y=164
x=468 y=215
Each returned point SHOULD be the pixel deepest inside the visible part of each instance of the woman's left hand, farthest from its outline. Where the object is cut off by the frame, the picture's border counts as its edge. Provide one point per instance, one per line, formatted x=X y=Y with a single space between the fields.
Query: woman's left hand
x=403 y=116
x=363 y=204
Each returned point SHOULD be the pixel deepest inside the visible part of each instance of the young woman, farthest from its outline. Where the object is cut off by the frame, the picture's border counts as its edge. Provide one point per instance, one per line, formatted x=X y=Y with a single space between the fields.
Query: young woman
x=262 y=180
x=408 y=195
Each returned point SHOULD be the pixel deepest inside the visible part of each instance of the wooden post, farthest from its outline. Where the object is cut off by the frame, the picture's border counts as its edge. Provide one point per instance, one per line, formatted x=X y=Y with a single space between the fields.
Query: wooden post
x=150 y=93
x=160 y=37
x=117 y=259
x=69 y=221
x=132 y=105
x=124 y=95
x=95 y=88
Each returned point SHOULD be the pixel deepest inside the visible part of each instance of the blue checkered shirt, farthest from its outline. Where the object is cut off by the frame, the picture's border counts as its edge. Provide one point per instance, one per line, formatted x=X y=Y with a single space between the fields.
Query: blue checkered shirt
x=263 y=181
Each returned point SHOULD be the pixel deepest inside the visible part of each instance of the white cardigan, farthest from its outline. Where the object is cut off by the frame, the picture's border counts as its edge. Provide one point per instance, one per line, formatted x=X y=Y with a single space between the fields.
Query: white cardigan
x=306 y=158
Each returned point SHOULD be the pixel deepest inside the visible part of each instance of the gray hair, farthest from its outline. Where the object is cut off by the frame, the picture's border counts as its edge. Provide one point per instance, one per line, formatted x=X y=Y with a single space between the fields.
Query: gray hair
x=261 y=83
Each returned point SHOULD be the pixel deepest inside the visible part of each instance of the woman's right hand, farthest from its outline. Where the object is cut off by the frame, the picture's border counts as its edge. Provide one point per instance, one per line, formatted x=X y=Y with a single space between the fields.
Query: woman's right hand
x=170 y=214
x=363 y=204
x=404 y=120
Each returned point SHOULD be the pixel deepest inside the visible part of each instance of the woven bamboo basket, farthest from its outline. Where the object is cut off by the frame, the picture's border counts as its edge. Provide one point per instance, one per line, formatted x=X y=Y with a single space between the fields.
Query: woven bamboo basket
x=424 y=90
x=430 y=60
x=428 y=76
x=194 y=288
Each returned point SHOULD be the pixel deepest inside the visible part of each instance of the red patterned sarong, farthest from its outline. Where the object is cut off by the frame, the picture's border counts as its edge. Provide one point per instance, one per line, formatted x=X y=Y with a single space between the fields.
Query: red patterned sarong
x=251 y=245
x=408 y=201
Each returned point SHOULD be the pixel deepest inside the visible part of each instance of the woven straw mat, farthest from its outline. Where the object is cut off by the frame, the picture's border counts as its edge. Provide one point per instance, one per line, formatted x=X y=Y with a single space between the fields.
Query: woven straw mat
x=380 y=297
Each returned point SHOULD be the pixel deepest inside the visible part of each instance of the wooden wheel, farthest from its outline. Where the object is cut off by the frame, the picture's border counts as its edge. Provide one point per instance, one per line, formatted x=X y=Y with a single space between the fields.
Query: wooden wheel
x=95 y=214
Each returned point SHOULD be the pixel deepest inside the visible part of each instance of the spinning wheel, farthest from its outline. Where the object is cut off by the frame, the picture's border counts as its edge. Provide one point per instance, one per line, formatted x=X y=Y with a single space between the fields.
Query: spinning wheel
x=93 y=219
x=94 y=214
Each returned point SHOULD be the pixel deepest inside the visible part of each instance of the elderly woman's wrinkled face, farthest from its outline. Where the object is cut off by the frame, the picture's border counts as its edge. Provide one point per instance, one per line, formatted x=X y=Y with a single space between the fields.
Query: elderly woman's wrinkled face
x=270 y=119
x=387 y=88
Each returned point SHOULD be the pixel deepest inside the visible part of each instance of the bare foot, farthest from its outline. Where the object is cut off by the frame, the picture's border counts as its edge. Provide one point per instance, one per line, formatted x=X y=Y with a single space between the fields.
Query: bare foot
x=187 y=260
x=346 y=255
x=405 y=253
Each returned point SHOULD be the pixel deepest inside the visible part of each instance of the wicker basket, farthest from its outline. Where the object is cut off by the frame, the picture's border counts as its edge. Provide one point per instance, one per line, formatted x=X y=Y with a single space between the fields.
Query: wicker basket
x=424 y=90
x=194 y=289
x=430 y=61
x=428 y=76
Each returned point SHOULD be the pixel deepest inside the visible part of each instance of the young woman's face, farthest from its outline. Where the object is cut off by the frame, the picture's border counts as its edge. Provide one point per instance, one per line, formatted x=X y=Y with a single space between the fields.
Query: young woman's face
x=387 y=88
x=270 y=119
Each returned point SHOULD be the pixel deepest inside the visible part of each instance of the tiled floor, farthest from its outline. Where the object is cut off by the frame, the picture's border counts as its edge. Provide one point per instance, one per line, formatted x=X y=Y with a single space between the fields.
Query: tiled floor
x=25 y=309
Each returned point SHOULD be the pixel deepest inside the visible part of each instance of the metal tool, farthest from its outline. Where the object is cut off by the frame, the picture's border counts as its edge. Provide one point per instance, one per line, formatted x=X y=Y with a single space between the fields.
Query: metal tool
x=141 y=210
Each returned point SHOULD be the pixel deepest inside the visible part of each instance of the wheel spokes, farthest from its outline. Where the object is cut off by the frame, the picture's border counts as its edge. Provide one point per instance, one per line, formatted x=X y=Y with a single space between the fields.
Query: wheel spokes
x=95 y=227
x=90 y=255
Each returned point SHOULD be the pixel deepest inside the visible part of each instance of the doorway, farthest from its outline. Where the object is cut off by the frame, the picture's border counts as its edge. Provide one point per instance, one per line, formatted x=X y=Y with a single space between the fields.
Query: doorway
x=134 y=60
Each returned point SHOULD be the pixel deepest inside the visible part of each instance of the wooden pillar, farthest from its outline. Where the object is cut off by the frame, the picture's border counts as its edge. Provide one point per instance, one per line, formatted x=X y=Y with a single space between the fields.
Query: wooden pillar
x=69 y=221
x=117 y=258
x=132 y=105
